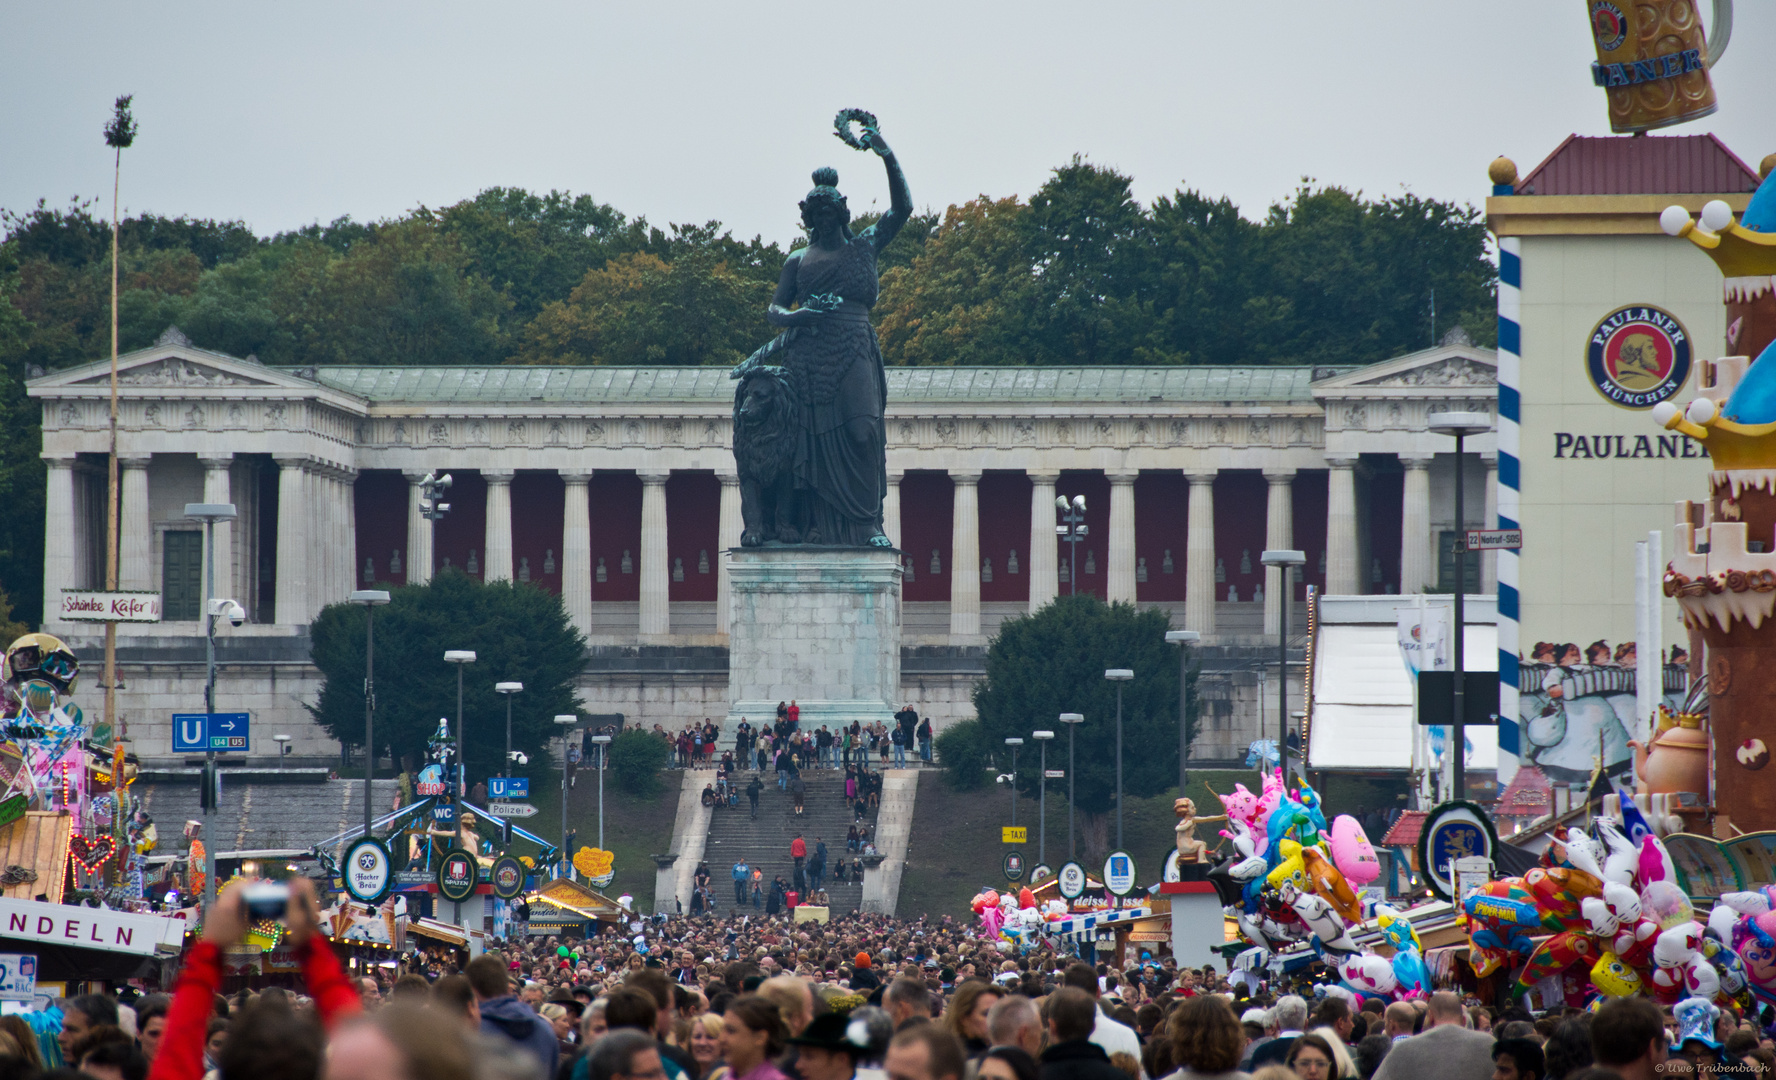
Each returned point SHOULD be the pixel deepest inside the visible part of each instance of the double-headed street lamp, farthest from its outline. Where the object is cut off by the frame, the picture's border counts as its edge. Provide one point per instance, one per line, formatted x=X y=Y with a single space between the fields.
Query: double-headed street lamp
x=1042 y=738
x=209 y=514
x=1071 y=533
x=1286 y=560
x=1119 y=675
x=459 y=657
x=1072 y=720
x=1460 y=425
x=508 y=689
x=1014 y=743
x=567 y=721
x=1184 y=639
x=371 y=599
x=603 y=744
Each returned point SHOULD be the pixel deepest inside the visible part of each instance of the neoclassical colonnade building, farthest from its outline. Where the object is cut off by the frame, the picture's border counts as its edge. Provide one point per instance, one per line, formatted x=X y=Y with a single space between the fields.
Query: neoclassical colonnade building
x=615 y=487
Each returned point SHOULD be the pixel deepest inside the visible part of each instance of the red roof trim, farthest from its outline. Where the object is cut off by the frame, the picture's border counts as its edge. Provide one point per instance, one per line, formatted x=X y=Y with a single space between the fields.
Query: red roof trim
x=1640 y=165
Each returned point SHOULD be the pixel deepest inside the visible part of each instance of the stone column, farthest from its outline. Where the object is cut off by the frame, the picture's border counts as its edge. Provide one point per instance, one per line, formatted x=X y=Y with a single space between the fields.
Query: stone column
x=890 y=509
x=1343 y=576
x=729 y=526
x=496 y=556
x=1489 y=567
x=1416 y=571
x=418 y=558
x=1043 y=563
x=1119 y=583
x=656 y=575
x=135 y=526
x=59 y=525
x=348 y=522
x=1199 y=554
x=1279 y=532
x=320 y=569
x=294 y=518
x=217 y=489
x=965 y=624
x=576 y=550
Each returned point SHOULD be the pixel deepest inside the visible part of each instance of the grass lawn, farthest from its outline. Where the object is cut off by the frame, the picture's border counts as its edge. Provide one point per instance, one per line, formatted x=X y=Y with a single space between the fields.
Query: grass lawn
x=634 y=828
x=955 y=850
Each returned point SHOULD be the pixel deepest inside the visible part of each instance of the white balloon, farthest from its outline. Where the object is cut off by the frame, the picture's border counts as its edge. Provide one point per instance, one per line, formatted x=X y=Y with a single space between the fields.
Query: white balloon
x=1673 y=219
x=1663 y=412
x=1700 y=412
x=1716 y=215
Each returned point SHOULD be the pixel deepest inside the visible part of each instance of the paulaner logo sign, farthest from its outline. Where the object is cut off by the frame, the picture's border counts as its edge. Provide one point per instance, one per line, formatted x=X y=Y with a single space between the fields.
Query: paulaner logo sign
x=1638 y=356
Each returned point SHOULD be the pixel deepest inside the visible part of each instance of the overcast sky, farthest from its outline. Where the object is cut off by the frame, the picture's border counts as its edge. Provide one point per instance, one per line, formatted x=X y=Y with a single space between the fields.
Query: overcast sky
x=286 y=114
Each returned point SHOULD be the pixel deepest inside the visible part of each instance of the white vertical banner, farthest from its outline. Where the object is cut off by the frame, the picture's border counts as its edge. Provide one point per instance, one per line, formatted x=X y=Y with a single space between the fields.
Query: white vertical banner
x=1646 y=657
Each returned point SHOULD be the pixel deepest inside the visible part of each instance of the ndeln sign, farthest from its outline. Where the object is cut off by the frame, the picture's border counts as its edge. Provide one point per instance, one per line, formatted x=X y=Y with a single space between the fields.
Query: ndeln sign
x=89 y=928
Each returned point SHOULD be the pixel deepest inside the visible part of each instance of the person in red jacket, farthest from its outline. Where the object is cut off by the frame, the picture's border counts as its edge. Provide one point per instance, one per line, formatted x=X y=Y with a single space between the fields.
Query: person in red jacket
x=181 y=1054
x=798 y=850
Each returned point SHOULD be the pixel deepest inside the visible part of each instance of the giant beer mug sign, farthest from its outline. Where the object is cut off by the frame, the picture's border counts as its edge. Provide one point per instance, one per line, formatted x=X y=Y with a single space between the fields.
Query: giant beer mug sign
x=1653 y=59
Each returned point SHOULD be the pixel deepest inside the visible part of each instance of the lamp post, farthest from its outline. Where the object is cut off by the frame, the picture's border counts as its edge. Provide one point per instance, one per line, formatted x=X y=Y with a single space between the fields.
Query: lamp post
x=283 y=742
x=371 y=599
x=1184 y=639
x=1072 y=720
x=209 y=514
x=1119 y=675
x=1071 y=533
x=1042 y=738
x=1460 y=425
x=459 y=657
x=1014 y=743
x=508 y=689
x=567 y=721
x=603 y=743
x=1284 y=559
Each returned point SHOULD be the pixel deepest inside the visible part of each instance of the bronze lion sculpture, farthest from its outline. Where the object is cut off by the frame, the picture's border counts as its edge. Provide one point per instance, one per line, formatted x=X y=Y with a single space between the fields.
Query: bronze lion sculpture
x=765 y=428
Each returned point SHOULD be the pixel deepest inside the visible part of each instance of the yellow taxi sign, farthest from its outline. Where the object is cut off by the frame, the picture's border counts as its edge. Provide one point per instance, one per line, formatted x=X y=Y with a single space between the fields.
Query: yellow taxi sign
x=1014 y=834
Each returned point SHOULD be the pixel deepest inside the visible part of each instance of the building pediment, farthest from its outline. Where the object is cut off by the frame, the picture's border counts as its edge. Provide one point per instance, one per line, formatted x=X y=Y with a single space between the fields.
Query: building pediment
x=1453 y=366
x=171 y=363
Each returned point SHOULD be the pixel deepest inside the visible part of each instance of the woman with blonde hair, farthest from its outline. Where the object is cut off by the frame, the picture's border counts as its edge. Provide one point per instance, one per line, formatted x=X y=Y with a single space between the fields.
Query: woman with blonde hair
x=706 y=1036
x=966 y=1015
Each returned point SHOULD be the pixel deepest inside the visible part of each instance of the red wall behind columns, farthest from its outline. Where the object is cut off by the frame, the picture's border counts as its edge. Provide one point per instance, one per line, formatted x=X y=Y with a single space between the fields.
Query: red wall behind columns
x=616 y=527
x=1004 y=528
x=1095 y=486
x=693 y=525
x=1387 y=492
x=1240 y=505
x=1310 y=530
x=465 y=526
x=1162 y=500
x=926 y=509
x=380 y=496
x=538 y=506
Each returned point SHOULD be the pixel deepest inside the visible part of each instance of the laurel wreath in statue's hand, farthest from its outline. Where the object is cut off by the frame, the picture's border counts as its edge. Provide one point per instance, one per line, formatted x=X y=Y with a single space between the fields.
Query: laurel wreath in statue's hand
x=865 y=120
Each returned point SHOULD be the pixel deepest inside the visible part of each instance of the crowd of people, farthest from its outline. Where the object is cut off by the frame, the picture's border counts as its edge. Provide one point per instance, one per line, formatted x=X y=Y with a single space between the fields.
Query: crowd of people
x=862 y=997
x=783 y=745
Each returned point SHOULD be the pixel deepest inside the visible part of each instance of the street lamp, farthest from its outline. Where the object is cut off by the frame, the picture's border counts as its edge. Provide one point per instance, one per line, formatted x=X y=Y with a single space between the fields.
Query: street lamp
x=567 y=721
x=209 y=514
x=371 y=599
x=1072 y=720
x=508 y=689
x=1014 y=743
x=1286 y=560
x=283 y=742
x=1119 y=675
x=1042 y=738
x=1184 y=639
x=603 y=743
x=1460 y=425
x=1071 y=533
x=459 y=657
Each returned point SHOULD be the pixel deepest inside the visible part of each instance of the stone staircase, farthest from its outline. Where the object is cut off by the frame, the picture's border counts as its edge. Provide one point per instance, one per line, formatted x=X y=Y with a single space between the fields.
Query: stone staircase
x=765 y=842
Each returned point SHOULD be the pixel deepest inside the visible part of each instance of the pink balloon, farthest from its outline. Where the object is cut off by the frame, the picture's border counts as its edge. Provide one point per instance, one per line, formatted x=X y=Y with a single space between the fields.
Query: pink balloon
x=1352 y=853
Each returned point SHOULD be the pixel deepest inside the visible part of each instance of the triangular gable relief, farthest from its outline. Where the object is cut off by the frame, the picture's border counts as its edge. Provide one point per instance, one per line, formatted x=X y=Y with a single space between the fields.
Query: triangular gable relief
x=161 y=367
x=1454 y=371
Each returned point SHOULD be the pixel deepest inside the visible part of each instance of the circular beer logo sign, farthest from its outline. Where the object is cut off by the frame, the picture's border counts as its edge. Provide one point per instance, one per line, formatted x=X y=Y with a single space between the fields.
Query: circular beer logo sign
x=1638 y=356
x=368 y=870
x=508 y=877
x=1608 y=25
x=457 y=875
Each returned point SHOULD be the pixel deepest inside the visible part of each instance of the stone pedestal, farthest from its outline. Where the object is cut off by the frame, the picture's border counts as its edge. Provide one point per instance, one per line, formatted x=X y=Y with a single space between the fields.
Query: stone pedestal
x=815 y=624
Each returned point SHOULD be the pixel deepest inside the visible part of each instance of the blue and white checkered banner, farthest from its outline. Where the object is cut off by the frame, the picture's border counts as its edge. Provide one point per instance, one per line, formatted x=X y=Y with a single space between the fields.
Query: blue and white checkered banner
x=1080 y=924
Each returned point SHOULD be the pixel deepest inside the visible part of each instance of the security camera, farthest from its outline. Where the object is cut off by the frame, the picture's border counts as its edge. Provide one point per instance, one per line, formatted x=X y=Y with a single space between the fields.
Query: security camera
x=1003 y=778
x=228 y=609
x=520 y=758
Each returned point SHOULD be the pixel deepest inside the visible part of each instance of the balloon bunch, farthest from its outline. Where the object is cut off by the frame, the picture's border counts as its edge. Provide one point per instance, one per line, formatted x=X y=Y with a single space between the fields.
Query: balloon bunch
x=1607 y=910
x=1292 y=881
x=1012 y=919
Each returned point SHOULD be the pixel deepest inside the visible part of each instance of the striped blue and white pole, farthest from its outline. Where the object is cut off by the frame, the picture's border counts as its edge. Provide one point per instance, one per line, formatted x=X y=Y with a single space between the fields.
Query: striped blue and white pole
x=1510 y=486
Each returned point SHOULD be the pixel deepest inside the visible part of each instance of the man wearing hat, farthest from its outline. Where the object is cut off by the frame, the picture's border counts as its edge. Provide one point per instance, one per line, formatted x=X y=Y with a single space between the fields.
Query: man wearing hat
x=863 y=980
x=830 y=1046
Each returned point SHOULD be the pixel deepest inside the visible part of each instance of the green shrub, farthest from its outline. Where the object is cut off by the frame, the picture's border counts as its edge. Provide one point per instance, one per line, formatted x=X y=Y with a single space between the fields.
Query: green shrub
x=962 y=752
x=636 y=758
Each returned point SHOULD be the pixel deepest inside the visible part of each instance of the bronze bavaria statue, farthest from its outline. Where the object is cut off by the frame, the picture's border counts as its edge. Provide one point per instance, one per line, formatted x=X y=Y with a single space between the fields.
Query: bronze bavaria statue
x=810 y=439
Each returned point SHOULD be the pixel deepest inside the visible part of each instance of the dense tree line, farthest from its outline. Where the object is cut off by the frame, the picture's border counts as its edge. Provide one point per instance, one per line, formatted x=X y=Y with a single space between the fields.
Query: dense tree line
x=1078 y=273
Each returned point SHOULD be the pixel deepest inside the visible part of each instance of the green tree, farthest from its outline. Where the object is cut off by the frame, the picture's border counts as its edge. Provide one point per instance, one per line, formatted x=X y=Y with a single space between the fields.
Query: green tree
x=1052 y=662
x=962 y=298
x=22 y=472
x=636 y=758
x=520 y=633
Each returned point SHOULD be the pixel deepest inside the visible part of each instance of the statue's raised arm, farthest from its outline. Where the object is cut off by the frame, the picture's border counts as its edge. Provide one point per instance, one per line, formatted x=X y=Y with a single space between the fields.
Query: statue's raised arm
x=900 y=197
